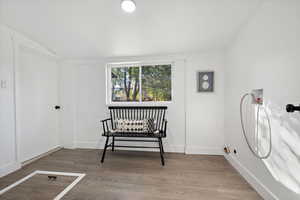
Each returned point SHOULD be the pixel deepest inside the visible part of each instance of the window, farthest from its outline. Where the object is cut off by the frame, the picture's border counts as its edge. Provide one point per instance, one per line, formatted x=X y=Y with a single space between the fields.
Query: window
x=140 y=83
x=125 y=82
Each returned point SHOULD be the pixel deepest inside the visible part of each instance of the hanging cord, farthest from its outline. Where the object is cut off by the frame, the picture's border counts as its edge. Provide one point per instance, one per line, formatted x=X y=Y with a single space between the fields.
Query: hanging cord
x=257 y=122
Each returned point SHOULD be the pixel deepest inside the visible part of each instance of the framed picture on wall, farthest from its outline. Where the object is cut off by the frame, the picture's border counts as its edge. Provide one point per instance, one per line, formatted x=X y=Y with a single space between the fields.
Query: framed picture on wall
x=205 y=81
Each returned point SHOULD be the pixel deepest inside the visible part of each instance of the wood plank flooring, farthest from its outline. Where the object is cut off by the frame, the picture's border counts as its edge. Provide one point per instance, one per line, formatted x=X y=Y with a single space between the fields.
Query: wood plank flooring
x=39 y=186
x=132 y=175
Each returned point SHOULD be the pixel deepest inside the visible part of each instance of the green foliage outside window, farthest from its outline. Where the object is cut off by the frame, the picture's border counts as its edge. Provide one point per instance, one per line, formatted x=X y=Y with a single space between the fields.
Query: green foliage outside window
x=155 y=83
x=125 y=84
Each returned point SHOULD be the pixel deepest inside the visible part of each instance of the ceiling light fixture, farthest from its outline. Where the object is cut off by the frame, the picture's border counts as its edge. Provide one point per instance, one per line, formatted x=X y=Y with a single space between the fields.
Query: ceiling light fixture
x=128 y=6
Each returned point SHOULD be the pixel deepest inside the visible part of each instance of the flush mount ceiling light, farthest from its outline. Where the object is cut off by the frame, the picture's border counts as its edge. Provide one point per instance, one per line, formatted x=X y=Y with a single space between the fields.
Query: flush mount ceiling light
x=128 y=6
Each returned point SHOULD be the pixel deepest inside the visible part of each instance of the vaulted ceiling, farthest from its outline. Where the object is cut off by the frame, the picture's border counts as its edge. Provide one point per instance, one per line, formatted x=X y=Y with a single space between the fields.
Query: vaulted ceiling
x=99 y=28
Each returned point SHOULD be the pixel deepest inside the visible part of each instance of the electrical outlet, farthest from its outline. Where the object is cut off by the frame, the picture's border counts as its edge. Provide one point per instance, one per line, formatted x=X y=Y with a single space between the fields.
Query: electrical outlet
x=258 y=96
x=226 y=149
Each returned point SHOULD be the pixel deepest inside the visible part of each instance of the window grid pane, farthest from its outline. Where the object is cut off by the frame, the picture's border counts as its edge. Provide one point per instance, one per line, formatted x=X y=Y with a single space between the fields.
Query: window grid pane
x=144 y=83
x=125 y=85
x=156 y=83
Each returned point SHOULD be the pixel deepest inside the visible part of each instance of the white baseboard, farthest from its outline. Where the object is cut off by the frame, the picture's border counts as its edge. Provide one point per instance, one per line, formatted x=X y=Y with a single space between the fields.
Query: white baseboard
x=174 y=148
x=88 y=145
x=263 y=190
x=203 y=150
x=100 y=145
x=57 y=148
x=68 y=146
x=167 y=148
x=9 y=168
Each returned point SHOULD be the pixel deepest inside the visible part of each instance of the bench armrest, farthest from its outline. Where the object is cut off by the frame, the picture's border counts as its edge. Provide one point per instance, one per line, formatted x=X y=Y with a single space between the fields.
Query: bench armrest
x=165 y=122
x=105 y=124
x=105 y=119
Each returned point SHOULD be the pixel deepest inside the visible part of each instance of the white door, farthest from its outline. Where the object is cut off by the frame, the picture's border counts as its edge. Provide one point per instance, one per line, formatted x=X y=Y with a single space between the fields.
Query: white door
x=36 y=98
x=7 y=106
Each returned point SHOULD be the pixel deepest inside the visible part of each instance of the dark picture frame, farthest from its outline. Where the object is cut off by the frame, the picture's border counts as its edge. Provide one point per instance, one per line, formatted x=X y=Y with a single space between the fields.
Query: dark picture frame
x=205 y=81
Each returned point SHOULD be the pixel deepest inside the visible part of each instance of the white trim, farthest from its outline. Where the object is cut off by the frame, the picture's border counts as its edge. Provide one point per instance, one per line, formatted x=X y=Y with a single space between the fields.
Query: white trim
x=174 y=148
x=22 y=38
x=18 y=46
x=262 y=189
x=139 y=64
x=40 y=154
x=60 y=195
x=14 y=57
x=184 y=104
x=17 y=183
x=203 y=150
x=52 y=150
x=88 y=145
x=16 y=75
x=134 y=103
x=142 y=62
x=18 y=40
x=140 y=84
x=9 y=168
x=100 y=145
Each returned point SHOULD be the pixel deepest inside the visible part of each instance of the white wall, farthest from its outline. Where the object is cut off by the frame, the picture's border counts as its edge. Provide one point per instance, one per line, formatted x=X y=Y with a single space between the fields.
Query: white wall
x=10 y=42
x=266 y=55
x=205 y=111
x=187 y=124
x=89 y=100
x=68 y=86
x=8 y=159
x=83 y=102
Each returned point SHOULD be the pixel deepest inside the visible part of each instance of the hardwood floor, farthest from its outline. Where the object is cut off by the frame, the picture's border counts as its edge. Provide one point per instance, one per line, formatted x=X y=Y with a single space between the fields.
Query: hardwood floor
x=36 y=185
x=130 y=175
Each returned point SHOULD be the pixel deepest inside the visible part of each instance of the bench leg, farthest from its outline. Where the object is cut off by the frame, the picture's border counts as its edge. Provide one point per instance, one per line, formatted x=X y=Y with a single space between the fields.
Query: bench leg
x=162 y=146
x=104 y=150
x=161 y=152
x=113 y=144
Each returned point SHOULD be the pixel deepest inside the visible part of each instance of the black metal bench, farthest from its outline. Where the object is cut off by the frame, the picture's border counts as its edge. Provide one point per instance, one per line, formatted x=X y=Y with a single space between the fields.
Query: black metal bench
x=135 y=113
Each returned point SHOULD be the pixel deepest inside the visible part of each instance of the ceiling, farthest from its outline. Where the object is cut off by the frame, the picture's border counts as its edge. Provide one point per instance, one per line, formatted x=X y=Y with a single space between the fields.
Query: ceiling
x=99 y=28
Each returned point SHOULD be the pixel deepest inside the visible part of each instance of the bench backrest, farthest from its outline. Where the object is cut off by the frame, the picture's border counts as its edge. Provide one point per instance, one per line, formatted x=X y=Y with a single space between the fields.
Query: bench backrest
x=138 y=113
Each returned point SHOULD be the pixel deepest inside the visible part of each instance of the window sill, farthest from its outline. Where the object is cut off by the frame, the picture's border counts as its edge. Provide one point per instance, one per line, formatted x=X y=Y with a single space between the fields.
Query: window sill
x=158 y=103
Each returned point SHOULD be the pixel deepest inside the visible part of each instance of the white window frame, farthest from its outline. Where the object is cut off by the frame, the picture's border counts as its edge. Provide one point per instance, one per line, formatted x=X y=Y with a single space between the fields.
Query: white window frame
x=109 y=66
